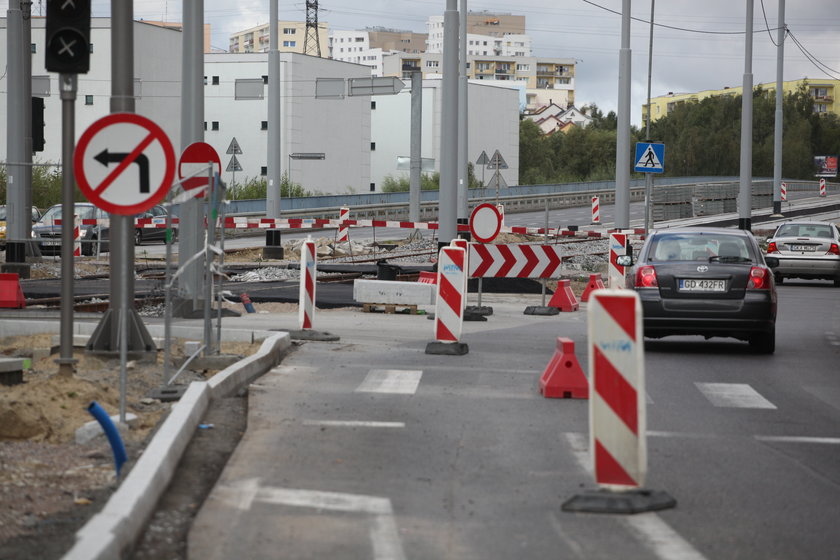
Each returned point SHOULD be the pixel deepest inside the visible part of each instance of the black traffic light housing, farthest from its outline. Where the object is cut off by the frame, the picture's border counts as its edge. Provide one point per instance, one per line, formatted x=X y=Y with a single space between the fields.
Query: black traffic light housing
x=37 y=124
x=68 y=36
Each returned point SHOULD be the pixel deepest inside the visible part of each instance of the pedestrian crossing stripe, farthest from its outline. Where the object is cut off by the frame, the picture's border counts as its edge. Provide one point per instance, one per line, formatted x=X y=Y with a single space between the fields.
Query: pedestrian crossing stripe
x=650 y=158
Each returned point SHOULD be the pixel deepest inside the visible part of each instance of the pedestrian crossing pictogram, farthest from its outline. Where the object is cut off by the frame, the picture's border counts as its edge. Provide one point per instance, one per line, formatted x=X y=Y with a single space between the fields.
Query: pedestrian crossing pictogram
x=650 y=158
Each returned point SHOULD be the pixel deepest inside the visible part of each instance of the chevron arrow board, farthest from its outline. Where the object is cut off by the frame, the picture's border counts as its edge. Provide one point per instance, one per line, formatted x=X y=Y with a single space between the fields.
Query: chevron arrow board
x=514 y=261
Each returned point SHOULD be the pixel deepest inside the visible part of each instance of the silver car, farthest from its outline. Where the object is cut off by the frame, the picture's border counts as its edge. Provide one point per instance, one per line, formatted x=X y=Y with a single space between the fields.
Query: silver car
x=806 y=249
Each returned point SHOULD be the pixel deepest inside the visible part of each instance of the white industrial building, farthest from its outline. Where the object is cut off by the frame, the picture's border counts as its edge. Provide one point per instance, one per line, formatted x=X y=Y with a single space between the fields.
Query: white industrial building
x=157 y=82
x=360 y=136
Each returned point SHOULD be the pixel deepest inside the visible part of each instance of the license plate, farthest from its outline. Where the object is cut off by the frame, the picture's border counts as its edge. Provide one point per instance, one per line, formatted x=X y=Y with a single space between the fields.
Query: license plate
x=803 y=248
x=697 y=285
x=50 y=243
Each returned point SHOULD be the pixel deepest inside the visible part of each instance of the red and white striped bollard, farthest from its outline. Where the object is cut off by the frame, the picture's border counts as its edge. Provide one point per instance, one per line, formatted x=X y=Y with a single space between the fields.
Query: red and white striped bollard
x=784 y=192
x=343 y=229
x=596 y=211
x=822 y=187
x=306 y=300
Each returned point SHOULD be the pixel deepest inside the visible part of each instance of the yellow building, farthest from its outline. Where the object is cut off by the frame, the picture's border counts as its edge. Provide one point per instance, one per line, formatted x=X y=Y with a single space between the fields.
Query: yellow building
x=822 y=92
x=292 y=38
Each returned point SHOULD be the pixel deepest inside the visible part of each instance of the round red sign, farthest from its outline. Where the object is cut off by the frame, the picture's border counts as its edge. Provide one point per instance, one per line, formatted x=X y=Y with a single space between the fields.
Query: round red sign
x=195 y=158
x=485 y=223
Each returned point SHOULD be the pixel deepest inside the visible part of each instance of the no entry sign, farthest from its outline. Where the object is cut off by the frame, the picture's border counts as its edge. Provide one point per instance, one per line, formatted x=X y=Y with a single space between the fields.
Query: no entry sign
x=485 y=223
x=195 y=158
x=124 y=163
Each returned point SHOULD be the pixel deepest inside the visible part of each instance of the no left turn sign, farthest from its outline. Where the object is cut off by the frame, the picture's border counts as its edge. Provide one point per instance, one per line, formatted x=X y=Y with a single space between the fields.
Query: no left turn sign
x=124 y=163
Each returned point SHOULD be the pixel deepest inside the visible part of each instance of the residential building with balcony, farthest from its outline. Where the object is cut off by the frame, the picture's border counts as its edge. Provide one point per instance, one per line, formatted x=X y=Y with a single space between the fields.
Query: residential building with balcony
x=823 y=93
x=368 y=46
x=292 y=38
x=543 y=80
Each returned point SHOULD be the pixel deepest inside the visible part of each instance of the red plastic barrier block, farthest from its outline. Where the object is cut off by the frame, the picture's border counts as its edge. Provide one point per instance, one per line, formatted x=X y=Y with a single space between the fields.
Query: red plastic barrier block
x=563 y=377
x=564 y=298
x=595 y=283
x=10 y=293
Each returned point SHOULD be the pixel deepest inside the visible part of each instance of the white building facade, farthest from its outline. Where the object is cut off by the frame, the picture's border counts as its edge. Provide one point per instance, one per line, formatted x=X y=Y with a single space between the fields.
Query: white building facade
x=157 y=83
x=493 y=123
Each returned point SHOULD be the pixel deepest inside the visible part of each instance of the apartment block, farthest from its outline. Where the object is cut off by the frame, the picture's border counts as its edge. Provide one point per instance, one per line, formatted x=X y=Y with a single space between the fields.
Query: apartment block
x=292 y=38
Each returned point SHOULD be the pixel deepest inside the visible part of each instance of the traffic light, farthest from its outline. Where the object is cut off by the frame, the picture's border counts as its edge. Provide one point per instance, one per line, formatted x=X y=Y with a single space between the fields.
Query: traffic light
x=68 y=36
x=37 y=124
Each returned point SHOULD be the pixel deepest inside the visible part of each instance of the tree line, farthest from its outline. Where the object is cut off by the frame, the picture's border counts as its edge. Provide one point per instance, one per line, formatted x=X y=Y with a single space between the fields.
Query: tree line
x=701 y=138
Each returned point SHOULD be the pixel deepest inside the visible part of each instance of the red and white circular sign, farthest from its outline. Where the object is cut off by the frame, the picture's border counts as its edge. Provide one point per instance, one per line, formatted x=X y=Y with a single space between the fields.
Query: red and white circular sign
x=124 y=163
x=485 y=223
x=195 y=158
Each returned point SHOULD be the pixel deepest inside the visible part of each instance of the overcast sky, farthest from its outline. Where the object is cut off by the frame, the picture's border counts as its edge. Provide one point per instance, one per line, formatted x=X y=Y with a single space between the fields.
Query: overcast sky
x=708 y=54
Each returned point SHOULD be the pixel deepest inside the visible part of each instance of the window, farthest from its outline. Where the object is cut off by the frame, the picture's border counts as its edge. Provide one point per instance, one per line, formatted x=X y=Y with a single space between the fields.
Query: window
x=265 y=80
x=248 y=88
x=373 y=146
x=215 y=80
x=264 y=125
x=289 y=31
x=33 y=48
x=360 y=39
x=264 y=170
x=372 y=105
x=205 y=125
x=289 y=43
x=432 y=64
x=214 y=125
x=88 y=100
x=372 y=187
x=90 y=48
x=205 y=80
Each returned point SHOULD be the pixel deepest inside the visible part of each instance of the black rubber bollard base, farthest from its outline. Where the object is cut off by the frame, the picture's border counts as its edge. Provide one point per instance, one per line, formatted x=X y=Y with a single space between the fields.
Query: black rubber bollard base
x=447 y=348
x=631 y=501
x=541 y=310
x=479 y=309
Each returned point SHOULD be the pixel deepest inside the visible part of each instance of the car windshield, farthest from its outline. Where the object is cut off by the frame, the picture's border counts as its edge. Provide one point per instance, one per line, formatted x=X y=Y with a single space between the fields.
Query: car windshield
x=84 y=212
x=804 y=230
x=699 y=247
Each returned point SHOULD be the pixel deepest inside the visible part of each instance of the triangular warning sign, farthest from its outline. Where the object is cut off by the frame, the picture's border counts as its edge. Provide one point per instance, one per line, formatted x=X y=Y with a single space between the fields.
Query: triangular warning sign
x=234 y=148
x=649 y=159
x=233 y=165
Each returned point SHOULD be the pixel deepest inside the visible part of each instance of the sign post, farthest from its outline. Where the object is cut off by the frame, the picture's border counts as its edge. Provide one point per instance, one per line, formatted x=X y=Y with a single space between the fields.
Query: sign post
x=650 y=158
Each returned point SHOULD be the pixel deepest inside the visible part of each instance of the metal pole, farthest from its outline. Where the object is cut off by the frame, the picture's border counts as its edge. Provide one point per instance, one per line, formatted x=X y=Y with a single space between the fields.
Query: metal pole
x=220 y=204
x=463 y=125
x=448 y=210
x=777 y=133
x=545 y=240
x=416 y=163
x=167 y=296
x=208 y=263
x=67 y=84
x=24 y=213
x=622 y=142
x=745 y=192
x=649 y=176
x=274 y=157
x=15 y=131
x=191 y=218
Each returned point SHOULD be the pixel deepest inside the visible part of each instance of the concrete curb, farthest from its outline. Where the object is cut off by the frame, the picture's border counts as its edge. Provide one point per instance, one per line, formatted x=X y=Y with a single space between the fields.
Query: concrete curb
x=107 y=534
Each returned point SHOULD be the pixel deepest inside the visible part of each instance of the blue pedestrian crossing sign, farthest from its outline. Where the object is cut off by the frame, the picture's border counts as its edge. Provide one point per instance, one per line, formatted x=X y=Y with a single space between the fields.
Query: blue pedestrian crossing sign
x=650 y=158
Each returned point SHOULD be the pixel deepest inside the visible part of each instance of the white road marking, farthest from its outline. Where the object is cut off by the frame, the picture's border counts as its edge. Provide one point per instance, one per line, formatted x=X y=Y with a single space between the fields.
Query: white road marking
x=397 y=381
x=384 y=534
x=651 y=529
x=800 y=439
x=734 y=395
x=353 y=424
x=660 y=538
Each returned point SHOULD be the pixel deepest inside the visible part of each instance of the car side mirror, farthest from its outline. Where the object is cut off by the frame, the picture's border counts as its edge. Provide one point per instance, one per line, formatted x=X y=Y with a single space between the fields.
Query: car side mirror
x=626 y=260
x=772 y=262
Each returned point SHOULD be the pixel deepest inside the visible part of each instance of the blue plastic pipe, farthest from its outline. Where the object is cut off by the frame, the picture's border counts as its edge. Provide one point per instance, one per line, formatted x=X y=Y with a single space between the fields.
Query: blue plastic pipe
x=112 y=434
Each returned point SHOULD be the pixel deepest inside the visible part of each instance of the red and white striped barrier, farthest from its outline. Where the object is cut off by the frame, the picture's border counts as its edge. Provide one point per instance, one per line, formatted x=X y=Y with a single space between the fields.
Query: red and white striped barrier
x=343 y=229
x=596 y=210
x=146 y=223
x=822 y=187
x=463 y=244
x=514 y=261
x=618 y=246
x=77 y=237
x=306 y=300
x=617 y=420
x=449 y=307
x=784 y=192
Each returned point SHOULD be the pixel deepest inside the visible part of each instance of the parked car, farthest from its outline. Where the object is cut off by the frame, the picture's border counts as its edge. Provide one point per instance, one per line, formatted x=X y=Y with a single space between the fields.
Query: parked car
x=94 y=236
x=158 y=215
x=806 y=249
x=706 y=281
x=36 y=215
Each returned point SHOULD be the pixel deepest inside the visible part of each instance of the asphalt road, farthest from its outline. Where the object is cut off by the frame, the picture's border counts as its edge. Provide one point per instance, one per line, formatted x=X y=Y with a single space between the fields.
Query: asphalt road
x=370 y=448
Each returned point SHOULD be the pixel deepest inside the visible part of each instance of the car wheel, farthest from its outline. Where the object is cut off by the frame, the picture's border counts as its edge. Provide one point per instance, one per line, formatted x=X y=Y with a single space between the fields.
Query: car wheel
x=138 y=236
x=764 y=343
x=780 y=279
x=89 y=248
